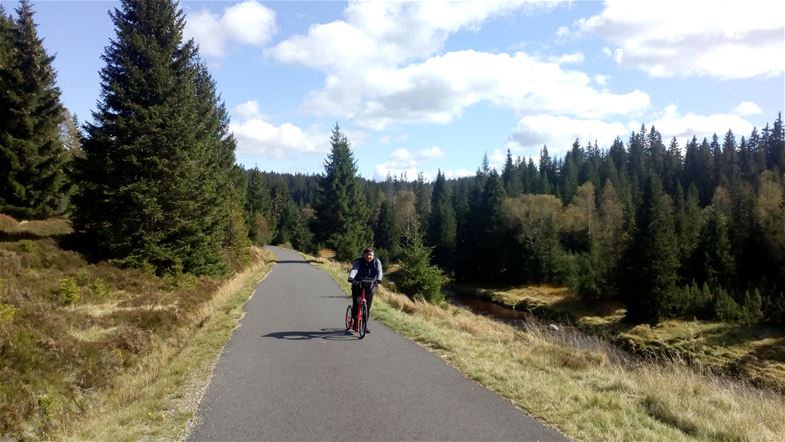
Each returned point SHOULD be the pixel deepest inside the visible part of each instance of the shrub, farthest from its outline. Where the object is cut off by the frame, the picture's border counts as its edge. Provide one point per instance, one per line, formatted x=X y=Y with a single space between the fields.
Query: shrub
x=725 y=307
x=7 y=222
x=418 y=277
x=751 y=307
x=99 y=289
x=7 y=313
x=28 y=246
x=579 y=273
x=68 y=291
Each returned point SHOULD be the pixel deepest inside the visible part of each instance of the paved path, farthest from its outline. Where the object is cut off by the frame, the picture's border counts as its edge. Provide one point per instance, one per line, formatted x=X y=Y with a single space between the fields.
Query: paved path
x=290 y=372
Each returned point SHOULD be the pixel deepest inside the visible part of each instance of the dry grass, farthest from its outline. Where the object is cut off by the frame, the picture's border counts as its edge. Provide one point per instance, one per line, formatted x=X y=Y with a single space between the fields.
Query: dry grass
x=159 y=399
x=582 y=386
x=73 y=335
x=753 y=353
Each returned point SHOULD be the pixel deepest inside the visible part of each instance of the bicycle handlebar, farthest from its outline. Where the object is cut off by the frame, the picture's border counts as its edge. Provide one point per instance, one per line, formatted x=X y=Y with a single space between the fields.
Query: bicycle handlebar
x=367 y=283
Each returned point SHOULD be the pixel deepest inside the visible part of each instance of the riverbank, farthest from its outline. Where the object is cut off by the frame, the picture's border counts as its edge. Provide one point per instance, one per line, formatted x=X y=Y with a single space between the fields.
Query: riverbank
x=751 y=354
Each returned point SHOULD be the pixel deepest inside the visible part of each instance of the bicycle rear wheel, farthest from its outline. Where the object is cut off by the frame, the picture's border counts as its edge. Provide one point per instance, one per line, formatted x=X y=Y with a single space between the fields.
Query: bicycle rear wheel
x=363 y=326
x=348 y=318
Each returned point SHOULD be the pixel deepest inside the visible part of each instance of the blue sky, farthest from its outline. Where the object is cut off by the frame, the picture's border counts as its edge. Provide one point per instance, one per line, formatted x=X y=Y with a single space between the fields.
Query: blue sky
x=421 y=86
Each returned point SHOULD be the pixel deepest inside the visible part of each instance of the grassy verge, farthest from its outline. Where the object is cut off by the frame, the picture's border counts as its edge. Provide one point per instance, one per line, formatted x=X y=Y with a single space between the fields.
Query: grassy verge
x=93 y=351
x=752 y=353
x=159 y=400
x=585 y=388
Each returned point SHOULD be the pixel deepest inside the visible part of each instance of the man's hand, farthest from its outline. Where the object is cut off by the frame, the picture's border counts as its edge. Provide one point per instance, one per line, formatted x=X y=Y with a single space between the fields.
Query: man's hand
x=350 y=279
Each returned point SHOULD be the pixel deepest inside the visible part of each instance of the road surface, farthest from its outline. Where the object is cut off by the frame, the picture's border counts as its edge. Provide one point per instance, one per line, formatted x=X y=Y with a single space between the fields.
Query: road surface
x=290 y=372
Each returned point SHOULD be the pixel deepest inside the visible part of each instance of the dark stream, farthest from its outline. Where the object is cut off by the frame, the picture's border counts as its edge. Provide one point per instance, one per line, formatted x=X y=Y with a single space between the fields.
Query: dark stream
x=566 y=334
x=487 y=308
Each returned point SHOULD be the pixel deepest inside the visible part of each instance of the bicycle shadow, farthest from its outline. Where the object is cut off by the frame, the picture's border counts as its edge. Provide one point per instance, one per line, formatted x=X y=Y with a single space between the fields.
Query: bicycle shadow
x=331 y=334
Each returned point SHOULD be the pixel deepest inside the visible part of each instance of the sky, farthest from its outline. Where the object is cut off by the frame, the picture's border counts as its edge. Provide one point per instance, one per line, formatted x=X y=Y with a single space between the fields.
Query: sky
x=432 y=85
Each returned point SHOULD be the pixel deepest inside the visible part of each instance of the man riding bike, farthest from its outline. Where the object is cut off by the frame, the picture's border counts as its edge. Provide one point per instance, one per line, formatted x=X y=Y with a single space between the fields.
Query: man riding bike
x=364 y=268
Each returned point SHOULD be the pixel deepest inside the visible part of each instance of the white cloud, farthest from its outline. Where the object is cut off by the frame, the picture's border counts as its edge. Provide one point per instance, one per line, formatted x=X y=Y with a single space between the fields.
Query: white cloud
x=573 y=58
x=684 y=127
x=387 y=139
x=601 y=79
x=747 y=108
x=248 y=110
x=497 y=158
x=248 y=23
x=458 y=173
x=381 y=68
x=559 y=132
x=256 y=136
x=440 y=88
x=404 y=162
x=390 y=33
x=434 y=152
x=729 y=39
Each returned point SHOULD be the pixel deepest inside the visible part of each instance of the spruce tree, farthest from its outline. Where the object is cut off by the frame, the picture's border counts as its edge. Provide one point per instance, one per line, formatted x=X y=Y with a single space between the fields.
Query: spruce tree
x=7 y=77
x=6 y=54
x=211 y=185
x=775 y=146
x=490 y=247
x=713 y=258
x=569 y=171
x=155 y=178
x=546 y=171
x=672 y=168
x=611 y=238
x=652 y=257
x=32 y=157
x=257 y=205
x=386 y=234
x=419 y=278
x=341 y=210
x=443 y=225
x=511 y=176
x=422 y=193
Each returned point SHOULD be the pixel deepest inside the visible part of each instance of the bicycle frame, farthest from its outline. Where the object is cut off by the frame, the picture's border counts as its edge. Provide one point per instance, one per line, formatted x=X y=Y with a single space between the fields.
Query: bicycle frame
x=363 y=302
x=360 y=319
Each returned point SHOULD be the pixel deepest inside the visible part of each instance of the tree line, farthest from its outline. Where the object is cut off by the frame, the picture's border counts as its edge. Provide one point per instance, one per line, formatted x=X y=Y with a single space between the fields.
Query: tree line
x=672 y=231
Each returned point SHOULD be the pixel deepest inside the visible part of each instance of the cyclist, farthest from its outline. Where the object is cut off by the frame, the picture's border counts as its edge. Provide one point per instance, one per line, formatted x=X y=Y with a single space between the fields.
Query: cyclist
x=363 y=268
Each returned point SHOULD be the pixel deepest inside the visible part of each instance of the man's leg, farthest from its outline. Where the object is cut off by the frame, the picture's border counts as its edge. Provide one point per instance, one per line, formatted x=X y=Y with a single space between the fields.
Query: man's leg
x=355 y=300
x=369 y=298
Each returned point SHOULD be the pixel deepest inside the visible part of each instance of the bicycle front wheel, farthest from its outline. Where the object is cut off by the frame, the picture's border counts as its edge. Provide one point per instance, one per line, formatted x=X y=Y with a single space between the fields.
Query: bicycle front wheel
x=348 y=318
x=363 y=320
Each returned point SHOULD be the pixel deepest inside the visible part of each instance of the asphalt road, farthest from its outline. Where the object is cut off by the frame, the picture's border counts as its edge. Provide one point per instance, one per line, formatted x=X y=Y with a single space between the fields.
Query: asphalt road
x=290 y=372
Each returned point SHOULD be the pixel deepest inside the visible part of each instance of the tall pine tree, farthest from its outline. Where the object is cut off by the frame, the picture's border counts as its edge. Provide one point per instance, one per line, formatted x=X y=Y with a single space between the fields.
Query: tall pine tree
x=442 y=224
x=157 y=159
x=386 y=233
x=652 y=257
x=32 y=157
x=341 y=211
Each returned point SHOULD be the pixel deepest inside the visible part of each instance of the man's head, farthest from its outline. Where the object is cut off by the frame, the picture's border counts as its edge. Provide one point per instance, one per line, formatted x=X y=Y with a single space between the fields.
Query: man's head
x=368 y=254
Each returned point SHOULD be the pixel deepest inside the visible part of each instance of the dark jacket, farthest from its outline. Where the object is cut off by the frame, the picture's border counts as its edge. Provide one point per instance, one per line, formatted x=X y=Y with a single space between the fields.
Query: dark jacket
x=361 y=269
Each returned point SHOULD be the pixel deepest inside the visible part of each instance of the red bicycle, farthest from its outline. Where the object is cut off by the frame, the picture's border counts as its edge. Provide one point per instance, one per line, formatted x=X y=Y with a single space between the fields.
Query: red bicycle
x=360 y=322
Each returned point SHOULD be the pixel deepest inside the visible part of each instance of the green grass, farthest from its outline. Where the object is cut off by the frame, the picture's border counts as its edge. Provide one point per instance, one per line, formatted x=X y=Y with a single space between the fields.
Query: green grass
x=585 y=388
